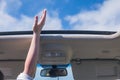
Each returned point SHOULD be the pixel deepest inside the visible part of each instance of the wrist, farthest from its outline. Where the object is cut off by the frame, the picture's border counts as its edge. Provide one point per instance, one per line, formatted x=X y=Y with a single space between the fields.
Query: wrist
x=36 y=33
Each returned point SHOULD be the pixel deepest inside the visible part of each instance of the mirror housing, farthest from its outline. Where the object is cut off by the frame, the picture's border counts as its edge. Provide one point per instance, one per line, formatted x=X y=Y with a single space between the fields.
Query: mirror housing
x=53 y=72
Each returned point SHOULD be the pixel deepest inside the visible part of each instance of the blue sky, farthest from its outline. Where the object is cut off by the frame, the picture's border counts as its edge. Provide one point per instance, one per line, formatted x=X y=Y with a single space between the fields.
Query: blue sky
x=18 y=15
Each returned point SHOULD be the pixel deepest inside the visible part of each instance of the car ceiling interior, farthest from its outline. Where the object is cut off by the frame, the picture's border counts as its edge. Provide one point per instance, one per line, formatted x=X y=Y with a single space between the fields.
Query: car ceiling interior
x=57 y=49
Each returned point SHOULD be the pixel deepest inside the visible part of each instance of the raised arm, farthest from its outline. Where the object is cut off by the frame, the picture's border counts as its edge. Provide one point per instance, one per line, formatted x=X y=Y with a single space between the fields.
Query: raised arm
x=32 y=56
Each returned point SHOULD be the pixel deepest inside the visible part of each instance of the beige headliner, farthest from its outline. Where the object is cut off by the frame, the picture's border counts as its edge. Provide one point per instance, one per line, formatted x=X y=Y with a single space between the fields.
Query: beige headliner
x=73 y=46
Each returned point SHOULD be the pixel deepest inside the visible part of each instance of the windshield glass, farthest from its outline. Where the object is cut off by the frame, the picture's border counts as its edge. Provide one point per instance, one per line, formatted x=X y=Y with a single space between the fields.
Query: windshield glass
x=97 y=15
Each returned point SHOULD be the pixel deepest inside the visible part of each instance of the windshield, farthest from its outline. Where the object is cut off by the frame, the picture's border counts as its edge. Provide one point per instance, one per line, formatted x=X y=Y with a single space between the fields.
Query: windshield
x=97 y=15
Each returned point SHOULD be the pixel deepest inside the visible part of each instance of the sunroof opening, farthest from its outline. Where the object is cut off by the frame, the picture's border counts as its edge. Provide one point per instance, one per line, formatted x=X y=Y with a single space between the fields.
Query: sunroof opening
x=87 y=15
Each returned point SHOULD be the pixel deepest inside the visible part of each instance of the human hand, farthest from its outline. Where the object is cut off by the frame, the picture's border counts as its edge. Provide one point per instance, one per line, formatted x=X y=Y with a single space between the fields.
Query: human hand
x=37 y=27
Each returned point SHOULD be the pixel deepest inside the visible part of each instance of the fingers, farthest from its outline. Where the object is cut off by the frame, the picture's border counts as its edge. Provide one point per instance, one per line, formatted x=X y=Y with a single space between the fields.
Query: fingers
x=35 y=21
x=37 y=27
x=43 y=17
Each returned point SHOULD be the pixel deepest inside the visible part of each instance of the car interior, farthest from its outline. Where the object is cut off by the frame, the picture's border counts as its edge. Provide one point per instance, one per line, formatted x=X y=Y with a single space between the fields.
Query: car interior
x=92 y=56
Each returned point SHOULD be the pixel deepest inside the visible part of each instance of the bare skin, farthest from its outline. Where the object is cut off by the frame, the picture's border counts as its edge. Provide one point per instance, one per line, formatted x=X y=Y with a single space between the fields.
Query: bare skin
x=32 y=56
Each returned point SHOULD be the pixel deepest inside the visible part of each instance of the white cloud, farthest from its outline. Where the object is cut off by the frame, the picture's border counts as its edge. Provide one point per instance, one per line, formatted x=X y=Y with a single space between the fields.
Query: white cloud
x=53 y=22
x=107 y=17
x=10 y=23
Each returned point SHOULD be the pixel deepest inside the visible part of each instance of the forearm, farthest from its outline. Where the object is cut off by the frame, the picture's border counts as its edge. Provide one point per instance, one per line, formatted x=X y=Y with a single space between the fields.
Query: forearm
x=32 y=57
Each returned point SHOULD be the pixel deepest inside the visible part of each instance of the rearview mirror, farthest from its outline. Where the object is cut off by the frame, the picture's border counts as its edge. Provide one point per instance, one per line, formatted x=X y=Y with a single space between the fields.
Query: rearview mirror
x=51 y=72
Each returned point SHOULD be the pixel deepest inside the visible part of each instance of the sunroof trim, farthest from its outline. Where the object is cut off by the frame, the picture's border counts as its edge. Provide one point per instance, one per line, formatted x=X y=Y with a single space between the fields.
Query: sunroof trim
x=59 y=32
